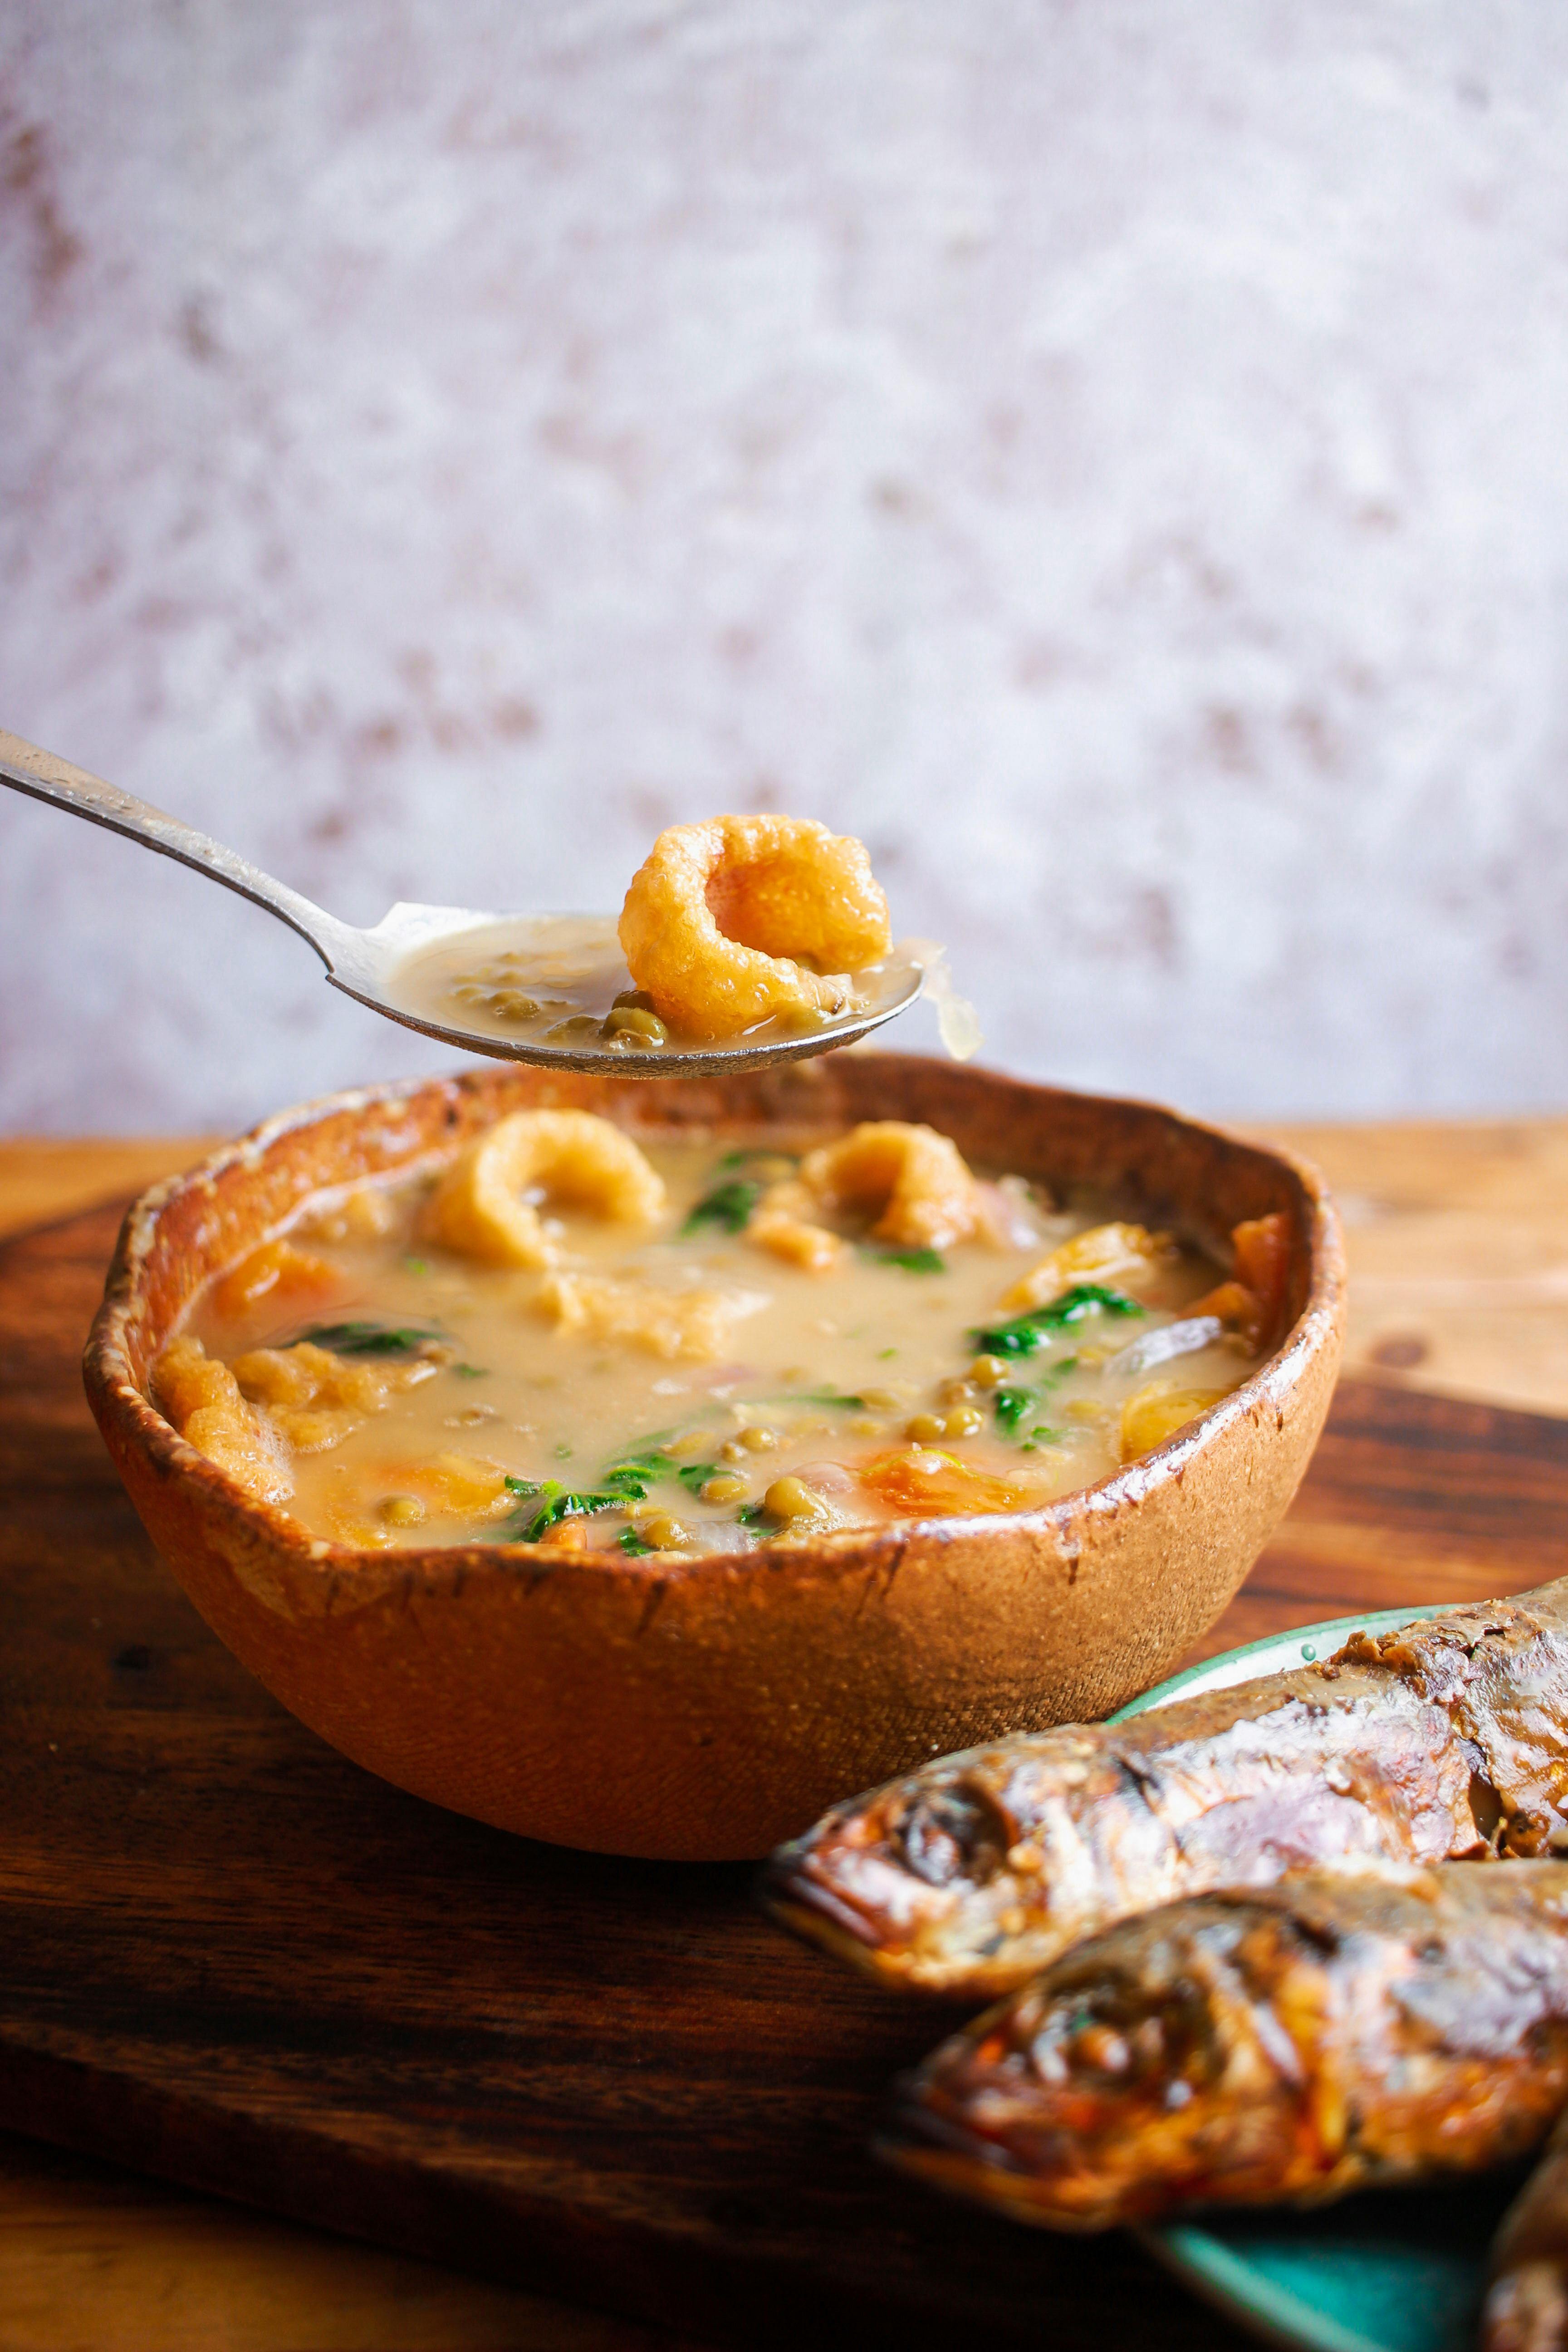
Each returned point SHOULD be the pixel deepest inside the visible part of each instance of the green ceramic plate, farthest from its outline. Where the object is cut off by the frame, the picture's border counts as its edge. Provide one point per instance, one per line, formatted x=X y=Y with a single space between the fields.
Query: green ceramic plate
x=1389 y=2272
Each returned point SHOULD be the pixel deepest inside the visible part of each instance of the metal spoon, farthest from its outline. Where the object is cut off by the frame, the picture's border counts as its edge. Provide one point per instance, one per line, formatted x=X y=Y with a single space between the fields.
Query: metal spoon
x=374 y=966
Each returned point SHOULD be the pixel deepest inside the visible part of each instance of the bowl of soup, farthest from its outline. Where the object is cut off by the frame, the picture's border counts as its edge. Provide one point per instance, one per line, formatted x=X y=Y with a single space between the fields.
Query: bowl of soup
x=642 y=1469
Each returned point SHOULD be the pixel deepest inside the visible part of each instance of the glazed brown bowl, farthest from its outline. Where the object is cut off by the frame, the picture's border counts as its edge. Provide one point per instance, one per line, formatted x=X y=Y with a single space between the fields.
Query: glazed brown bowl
x=705 y=1709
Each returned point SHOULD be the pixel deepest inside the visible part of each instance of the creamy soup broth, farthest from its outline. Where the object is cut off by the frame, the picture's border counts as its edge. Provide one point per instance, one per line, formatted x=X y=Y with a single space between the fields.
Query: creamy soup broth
x=561 y=981
x=755 y=1397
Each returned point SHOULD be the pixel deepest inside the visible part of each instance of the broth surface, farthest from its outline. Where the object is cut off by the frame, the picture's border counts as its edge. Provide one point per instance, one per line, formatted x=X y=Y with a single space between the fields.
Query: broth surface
x=754 y=1398
x=560 y=980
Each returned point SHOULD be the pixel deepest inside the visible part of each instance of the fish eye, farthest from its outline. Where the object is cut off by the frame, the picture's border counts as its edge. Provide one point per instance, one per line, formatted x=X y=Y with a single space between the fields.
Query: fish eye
x=1100 y=2045
x=954 y=1832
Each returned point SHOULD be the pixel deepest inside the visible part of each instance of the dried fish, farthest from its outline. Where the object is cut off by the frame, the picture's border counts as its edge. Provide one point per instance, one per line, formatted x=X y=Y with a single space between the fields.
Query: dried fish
x=1446 y=1739
x=1335 y=2031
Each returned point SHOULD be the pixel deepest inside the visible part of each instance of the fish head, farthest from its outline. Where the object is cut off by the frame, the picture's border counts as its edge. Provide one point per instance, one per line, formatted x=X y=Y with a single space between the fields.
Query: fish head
x=1134 y=2077
x=915 y=1880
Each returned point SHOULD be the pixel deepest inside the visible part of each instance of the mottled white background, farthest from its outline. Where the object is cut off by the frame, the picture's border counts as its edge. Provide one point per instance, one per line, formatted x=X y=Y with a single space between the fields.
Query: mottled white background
x=1113 y=458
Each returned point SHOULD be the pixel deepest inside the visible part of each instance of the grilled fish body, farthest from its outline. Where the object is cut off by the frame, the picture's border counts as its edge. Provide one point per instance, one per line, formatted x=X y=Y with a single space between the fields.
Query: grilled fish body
x=1331 y=2033
x=1446 y=1739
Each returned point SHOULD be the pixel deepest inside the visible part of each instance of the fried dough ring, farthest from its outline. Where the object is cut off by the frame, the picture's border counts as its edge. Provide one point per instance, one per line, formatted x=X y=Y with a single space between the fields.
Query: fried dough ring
x=478 y=1207
x=718 y=912
x=917 y=1178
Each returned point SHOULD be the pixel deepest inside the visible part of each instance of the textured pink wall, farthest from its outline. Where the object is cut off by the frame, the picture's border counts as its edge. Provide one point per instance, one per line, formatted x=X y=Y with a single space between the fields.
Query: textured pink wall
x=1114 y=458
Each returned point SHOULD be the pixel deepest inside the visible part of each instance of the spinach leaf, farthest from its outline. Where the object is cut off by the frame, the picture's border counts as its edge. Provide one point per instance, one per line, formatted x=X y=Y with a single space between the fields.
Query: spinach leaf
x=626 y=1481
x=728 y=1206
x=1025 y=1333
x=1012 y=1404
x=913 y=1261
x=634 y=1474
x=1014 y=1399
x=369 y=1339
x=548 y=1503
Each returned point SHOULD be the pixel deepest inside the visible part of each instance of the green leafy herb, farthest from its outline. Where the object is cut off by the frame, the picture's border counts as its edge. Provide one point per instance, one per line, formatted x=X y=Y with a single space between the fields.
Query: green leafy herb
x=728 y=1206
x=1025 y=1333
x=883 y=1354
x=632 y=1543
x=913 y=1261
x=1040 y=1435
x=553 y=1502
x=633 y=1472
x=750 y=1513
x=624 y=1481
x=1012 y=1404
x=1015 y=1398
x=470 y=1371
x=416 y=1266
x=369 y=1339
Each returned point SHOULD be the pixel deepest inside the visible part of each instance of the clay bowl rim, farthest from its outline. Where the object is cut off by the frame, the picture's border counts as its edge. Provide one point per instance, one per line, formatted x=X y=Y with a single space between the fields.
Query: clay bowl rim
x=113 y=1388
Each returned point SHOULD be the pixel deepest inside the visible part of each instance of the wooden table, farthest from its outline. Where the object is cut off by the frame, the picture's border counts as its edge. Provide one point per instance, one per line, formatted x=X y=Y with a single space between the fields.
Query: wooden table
x=1459 y=1243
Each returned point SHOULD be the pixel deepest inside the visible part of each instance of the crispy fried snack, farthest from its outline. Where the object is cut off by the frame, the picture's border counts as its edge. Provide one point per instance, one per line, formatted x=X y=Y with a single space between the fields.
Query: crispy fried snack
x=1103 y=1253
x=1331 y=2032
x=478 y=1207
x=693 y=1326
x=745 y=917
x=1441 y=1740
x=784 y=1221
x=912 y=1178
x=202 y=1398
x=316 y=1397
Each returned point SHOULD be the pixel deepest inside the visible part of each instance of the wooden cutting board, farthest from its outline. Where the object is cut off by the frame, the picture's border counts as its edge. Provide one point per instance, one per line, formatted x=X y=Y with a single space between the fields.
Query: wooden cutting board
x=230 y=1957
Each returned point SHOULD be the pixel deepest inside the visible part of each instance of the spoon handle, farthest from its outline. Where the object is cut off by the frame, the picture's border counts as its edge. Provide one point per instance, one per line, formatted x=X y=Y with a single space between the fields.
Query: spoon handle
x=46 y=778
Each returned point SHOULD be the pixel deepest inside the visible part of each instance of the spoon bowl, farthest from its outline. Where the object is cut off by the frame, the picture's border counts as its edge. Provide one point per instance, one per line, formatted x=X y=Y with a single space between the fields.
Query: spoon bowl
x=392 y=967
x=405 y=967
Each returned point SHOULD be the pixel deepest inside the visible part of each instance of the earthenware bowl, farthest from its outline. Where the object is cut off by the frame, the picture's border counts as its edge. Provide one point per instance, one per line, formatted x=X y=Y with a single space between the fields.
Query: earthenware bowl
x=705 y=1710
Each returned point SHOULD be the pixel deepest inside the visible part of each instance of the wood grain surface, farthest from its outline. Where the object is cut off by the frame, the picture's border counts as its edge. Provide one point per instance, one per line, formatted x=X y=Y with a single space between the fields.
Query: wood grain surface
x=182 y=1851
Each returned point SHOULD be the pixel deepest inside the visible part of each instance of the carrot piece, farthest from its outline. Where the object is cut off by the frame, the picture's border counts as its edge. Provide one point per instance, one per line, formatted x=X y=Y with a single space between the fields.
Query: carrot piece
x=921 y=1483
x=1262 y=1246
x=276 y=1267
